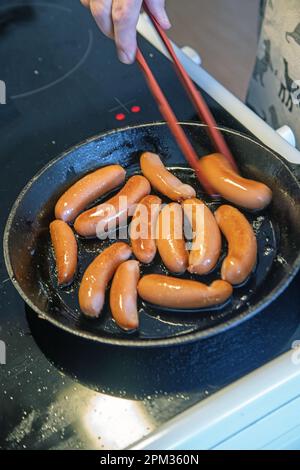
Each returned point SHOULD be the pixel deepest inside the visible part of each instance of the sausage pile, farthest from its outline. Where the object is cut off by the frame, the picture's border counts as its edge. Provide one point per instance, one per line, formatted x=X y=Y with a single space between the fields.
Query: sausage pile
x=156 y=228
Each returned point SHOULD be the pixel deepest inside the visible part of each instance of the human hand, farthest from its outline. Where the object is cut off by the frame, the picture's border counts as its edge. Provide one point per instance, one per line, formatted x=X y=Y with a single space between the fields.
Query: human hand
x=118 y=19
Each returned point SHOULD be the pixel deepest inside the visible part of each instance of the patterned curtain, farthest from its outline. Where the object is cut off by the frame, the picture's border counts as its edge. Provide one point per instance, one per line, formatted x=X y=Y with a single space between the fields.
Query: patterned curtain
x=274 y=90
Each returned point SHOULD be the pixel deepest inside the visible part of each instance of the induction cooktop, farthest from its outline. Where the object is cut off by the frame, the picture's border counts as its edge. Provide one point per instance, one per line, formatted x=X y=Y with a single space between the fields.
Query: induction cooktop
x=63 y=85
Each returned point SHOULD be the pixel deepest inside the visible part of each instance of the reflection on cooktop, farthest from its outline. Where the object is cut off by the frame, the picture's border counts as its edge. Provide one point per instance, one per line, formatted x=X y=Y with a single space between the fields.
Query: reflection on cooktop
x=11 y=16
x=217 y=361
x=28 y=23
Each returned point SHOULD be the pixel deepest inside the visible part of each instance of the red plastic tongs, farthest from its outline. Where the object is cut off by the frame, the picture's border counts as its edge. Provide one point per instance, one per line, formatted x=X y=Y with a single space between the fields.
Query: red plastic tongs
x=201 y=107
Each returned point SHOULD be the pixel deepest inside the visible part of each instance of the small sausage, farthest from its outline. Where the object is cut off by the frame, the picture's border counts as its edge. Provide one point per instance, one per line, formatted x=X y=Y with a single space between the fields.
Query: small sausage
x=97 y=276
x=107 y=216
x=207 y=240
x=170 y=238
x=242 y=245
x=65 y=250
x=88 y=189
x=123 y=295
x=162 y=180
x=231 y=186
x=143 y=229
x=178 y=293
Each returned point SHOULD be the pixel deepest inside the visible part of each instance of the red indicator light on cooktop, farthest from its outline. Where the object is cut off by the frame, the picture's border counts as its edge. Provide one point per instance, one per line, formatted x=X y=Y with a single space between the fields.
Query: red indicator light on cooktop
x=120 y=117
x=135 y=109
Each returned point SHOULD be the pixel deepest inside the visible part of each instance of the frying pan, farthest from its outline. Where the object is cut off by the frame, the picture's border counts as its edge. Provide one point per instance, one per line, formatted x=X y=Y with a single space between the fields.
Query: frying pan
x=29 y=258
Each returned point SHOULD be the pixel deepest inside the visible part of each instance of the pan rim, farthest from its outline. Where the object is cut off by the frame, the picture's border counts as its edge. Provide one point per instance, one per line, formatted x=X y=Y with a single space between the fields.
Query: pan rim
x=186 y=338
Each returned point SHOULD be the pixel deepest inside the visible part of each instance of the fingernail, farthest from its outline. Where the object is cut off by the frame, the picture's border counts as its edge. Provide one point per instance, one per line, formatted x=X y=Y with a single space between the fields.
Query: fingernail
x=125 y=57
x=165 y=21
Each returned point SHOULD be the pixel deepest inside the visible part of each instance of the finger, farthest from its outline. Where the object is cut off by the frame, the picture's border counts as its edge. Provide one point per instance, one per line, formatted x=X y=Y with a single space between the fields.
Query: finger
x=101 y=11
x=125 y=15
x=85 y=3
x=157 y=8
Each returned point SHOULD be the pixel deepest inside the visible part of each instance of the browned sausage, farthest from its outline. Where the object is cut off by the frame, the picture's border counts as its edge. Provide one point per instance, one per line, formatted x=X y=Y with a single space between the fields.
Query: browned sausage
x=88 y=189
x=109 y=214
x=242 y=244
x=163 y=180
x=97 y=276
x=231 y=186
x=170 y=238
x=207 y=241
x=123 y=295
x=178 y=293
x=143 y=229
x=65 y=250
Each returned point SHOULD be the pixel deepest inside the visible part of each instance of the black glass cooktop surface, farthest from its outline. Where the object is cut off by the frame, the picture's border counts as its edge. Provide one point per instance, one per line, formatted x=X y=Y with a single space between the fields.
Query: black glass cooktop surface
x=63 y=85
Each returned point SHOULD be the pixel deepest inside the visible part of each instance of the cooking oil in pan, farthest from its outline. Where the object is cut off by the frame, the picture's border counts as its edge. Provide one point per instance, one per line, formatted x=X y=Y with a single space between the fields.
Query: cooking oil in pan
x=158 y=322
